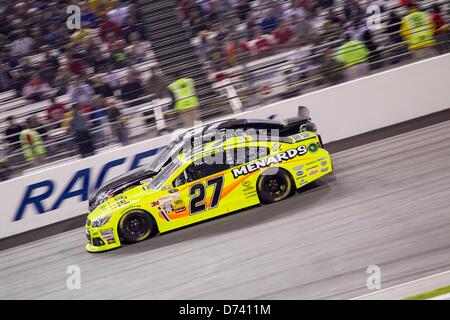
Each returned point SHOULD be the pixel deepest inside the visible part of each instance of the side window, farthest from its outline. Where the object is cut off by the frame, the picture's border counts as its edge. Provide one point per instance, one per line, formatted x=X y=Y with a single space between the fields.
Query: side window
x=180 y=180
x=209 y=165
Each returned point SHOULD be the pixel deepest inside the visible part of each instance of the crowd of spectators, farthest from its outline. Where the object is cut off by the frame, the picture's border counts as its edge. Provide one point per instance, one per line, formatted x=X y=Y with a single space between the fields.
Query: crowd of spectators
x=42 y=54
x=254 y=29
x=93 y=67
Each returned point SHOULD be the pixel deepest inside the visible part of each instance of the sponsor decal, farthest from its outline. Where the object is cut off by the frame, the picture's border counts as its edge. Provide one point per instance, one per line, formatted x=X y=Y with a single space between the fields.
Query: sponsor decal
x=300 y=173
x=313 y=172
x=170 y=204
x=163 y=213
x=178 y=210
x=167 y=207
x=179 y=206
x=247 y=186
x=134 y=206
x=323 y=163
x=298 y=168
x=246 y=183
x=154 y=203
x=303 y=182
x=313 y=167
x=324 y=169
x=268 y=161
x=119 y=201
x=107 y=234
x=250 y=194
x=173 y=190
x=313 y=147
x=300 y=136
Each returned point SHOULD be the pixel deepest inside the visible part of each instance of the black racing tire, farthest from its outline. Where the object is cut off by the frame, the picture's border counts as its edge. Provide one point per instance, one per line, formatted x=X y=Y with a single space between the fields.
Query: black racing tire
x=274 y=184
x=136 y=226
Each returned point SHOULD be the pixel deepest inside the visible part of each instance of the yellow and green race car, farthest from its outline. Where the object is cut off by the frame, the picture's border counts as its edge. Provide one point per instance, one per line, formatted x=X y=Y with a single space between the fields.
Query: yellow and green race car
x=207 y=172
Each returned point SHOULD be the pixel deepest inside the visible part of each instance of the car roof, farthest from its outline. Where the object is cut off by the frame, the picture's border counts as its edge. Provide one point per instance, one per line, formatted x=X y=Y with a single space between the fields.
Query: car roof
x=198 y=139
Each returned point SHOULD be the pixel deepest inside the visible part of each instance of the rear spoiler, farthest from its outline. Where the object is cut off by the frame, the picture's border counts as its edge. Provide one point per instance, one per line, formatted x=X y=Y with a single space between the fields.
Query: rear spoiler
x=300 y=123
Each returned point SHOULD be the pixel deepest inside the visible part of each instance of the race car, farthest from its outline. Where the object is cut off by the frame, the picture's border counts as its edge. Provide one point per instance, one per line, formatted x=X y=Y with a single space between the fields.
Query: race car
x=207 y=172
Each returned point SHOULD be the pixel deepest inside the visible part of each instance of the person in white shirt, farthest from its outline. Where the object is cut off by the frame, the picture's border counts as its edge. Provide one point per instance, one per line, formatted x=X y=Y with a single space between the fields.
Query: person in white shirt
x=296 y=10
x=137 y=48
x=118 y=14
x=81 y=93
x=112 y=77
x=22 y=45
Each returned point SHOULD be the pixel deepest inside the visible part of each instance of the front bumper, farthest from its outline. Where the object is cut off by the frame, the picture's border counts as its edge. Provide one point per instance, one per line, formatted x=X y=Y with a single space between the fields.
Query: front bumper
x=101 y=239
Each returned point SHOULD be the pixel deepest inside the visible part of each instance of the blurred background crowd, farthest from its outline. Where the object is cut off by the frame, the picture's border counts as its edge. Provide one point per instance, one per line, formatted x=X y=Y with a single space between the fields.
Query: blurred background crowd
x=67 y=93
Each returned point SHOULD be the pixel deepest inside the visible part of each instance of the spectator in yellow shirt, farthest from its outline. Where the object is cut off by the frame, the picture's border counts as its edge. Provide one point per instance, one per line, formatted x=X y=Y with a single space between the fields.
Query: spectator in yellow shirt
x=417 y=30
x=100 y=7
x=81 y=35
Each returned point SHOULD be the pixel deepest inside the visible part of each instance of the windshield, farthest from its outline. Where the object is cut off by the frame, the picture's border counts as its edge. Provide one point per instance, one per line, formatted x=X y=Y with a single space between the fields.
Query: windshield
x=165 y=173
x=163 y=156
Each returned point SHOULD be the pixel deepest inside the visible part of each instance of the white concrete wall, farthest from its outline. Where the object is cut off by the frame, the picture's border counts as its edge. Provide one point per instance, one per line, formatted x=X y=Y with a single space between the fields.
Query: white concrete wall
x=340 y=112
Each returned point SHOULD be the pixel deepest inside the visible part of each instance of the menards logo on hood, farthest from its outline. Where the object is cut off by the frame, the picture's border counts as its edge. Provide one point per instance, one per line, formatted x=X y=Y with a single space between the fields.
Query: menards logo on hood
x=265 y=162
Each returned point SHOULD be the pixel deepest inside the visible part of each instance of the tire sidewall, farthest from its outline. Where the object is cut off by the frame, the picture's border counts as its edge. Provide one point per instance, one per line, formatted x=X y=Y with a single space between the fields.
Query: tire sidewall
x=149 y=223
x=264 y=196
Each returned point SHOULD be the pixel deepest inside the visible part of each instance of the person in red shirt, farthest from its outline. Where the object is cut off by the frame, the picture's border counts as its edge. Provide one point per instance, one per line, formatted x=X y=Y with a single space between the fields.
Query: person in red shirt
x=230 y=52
x=55 y=112
x=405 y=3
x=108 y=26
x=440 y=29
x=282 y=34
x=262 y=43
x=76 y=65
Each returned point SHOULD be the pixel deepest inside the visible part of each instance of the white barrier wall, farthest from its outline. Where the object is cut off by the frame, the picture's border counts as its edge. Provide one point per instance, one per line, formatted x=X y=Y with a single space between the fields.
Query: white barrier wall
x=342 y=111
x=373 y=102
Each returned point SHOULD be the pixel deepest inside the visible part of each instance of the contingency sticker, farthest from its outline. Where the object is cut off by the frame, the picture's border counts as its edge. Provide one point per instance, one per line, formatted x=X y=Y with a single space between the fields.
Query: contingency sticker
x=171 y=204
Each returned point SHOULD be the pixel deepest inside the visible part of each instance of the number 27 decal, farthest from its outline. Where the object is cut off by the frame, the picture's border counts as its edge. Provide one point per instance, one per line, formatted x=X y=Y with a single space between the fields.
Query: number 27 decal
x=197 y=192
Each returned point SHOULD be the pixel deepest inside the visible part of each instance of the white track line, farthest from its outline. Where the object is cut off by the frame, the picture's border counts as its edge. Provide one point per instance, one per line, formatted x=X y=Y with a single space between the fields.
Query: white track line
x=401 y=285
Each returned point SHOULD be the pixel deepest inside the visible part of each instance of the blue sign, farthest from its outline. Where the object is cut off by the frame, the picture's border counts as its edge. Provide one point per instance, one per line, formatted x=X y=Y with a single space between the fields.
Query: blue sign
x=36 y=193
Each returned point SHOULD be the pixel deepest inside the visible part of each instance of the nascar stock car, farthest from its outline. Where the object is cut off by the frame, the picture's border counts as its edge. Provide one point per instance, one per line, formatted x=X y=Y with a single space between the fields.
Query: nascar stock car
x=204 y=173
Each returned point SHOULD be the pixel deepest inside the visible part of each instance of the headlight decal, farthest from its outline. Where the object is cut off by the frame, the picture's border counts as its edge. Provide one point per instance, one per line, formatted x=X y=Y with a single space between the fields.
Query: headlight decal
x=100 y=222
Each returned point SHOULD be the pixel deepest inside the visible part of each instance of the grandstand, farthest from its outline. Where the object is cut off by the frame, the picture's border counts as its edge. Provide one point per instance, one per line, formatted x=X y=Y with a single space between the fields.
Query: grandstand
x=107 y=66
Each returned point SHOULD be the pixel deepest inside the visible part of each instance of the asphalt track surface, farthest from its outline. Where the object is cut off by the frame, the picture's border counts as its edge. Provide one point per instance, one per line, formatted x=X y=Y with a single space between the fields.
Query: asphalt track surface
x=387 y=204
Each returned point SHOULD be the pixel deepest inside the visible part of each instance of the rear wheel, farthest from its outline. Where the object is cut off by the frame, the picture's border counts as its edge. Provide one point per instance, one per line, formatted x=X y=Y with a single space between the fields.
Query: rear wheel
x=274 y=184
x=136 y=226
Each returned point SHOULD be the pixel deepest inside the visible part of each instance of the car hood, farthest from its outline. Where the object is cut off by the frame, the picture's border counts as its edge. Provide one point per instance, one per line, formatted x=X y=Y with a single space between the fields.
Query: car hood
x=119 y=183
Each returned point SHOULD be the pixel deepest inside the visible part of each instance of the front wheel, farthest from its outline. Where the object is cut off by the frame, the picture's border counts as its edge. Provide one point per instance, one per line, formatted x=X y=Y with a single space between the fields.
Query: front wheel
x=136 y=226
x=274 y=185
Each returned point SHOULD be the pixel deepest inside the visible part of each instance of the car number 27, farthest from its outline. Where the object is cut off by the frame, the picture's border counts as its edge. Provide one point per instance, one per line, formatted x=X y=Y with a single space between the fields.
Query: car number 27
x=197 y=193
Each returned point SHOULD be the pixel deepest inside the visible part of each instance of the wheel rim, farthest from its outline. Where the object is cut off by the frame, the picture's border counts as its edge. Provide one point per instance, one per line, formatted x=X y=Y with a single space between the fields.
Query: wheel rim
x=275 y=186
x=136 y=226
